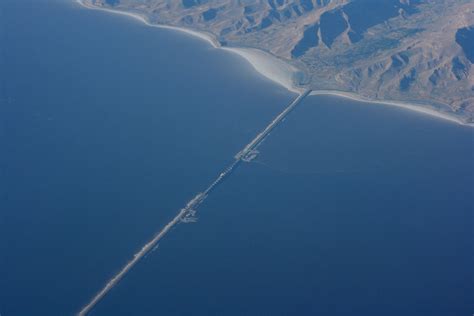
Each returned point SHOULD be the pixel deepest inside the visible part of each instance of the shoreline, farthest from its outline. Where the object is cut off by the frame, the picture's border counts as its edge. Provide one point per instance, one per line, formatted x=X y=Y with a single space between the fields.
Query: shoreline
x=204 y=36
x=281 y=72
x=269 y=66
x=423 y=109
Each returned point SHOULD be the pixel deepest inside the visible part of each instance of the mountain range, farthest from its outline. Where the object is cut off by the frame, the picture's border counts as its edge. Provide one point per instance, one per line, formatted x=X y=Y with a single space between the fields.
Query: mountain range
x=419 y=51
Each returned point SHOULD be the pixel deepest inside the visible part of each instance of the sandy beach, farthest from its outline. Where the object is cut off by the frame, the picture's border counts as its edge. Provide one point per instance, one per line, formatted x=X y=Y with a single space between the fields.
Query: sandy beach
x=270 y=67
x=281 y=72
x=266 y=64
x=424 y=109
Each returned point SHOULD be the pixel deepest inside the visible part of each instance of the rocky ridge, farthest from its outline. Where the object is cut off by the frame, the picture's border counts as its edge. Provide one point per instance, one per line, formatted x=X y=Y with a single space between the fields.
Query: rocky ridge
x=418 y=51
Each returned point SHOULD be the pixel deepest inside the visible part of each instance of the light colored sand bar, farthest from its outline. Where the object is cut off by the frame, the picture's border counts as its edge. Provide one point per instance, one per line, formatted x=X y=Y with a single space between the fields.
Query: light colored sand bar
x=281 y=72
x=424 y=109
x=266 y=64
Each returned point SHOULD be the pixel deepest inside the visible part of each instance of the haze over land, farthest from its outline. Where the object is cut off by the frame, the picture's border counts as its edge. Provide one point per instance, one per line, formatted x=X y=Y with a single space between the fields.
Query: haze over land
x=407 y=50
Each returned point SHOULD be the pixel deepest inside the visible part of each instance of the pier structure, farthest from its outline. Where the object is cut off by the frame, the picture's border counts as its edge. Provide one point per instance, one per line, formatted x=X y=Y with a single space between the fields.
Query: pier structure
x=252 y=146
x=186 y=214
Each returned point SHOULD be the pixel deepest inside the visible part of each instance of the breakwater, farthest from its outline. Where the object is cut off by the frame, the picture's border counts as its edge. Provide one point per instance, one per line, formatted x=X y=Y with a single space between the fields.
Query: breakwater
x=188 y=212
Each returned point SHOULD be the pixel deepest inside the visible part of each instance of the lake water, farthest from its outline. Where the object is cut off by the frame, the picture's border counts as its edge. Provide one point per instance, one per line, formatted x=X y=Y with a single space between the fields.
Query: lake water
x=109 y=127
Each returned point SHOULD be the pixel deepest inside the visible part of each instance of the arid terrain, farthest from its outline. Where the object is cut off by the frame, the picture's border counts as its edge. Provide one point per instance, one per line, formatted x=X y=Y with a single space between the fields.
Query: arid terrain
x=405 y=50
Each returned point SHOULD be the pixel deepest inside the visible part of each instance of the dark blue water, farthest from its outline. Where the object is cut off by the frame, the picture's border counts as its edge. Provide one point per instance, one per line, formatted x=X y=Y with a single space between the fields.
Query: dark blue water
x=109 y=127
x=351 y=209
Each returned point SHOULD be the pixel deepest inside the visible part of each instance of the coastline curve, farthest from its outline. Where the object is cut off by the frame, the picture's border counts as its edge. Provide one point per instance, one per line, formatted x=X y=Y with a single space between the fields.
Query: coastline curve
x=423 y=109
x=269 y=66
x=282 y=72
